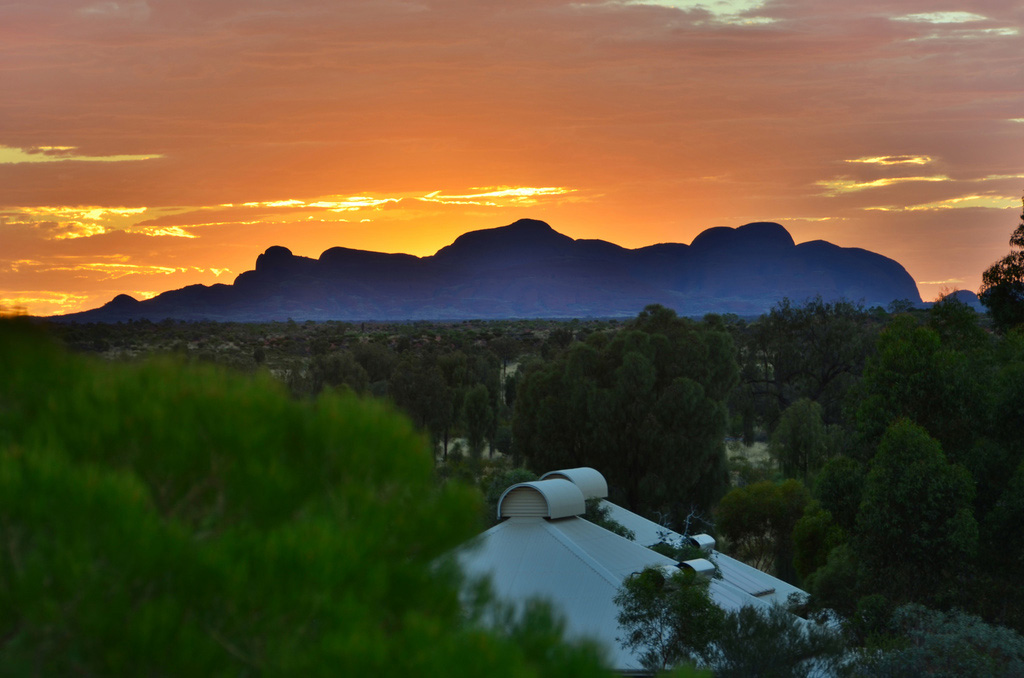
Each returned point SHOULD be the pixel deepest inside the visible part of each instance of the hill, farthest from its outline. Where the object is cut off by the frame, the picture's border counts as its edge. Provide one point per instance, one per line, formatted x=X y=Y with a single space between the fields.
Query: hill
x=529 y=270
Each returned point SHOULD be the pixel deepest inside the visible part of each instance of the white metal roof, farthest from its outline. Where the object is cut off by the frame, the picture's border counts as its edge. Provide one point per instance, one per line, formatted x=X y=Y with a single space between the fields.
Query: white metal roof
x=748 y=579
x=579 y=567
x=589 y=480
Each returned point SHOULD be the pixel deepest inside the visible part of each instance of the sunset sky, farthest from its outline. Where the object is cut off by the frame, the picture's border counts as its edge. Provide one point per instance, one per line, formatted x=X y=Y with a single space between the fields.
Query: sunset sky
x=148 y=145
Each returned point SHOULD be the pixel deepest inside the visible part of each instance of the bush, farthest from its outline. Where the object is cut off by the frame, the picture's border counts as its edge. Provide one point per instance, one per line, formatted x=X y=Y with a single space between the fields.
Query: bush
x=181 y=520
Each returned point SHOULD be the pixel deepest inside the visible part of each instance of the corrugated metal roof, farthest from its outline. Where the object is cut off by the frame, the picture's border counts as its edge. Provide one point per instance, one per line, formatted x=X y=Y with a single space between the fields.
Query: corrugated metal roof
x=748 y=579
x=579 y=567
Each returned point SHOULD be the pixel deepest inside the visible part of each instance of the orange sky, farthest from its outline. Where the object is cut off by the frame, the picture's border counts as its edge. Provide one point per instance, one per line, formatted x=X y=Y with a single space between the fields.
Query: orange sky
x=150 y=144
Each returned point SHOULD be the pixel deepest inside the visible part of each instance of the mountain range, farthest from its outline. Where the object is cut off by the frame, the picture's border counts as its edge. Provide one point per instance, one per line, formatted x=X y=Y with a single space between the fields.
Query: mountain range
x=529 y=270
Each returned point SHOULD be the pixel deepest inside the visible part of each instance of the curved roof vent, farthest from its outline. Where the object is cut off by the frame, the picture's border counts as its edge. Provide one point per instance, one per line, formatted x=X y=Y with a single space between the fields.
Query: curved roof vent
x=590 y=481
x=703 y=568
x=705 y=542
x=555 y=498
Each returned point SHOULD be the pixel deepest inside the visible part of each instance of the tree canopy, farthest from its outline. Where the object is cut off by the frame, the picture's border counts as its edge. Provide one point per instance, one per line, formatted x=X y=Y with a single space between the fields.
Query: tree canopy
x=1002 y=284
x=166 y=519
x=647 y=407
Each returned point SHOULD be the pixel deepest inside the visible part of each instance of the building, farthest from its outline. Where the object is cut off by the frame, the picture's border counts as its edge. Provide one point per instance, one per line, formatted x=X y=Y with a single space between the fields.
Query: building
x=544 y=548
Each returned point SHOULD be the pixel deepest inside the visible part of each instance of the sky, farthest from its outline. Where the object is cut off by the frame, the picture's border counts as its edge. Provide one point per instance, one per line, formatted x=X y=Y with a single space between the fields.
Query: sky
x=146 y=145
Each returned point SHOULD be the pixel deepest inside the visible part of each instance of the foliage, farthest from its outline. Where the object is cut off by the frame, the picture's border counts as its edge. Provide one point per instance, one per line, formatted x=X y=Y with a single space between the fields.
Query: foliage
x=667 y=618
x=800 y=441
x=165 y=519
x=913 y=376
x=1002 y=284
x=944 y=645
x=915 y=529
x=771 y=642
x=599 y=514
x=646 y=407
x=758 y=520
x=834 y=585
x=814 y=536
x=479 y=417
x=815 y=351
x=839 y=486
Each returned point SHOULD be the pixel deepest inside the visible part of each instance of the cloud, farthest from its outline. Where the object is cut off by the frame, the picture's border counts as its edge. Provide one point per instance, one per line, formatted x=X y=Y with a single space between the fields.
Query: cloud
x=941 y=17
x=961 y=202
x=39 y=302
x=841 y=186
x=734 y=12
x=894 y=160
x=38 y=154
x=138 y=11
x=331 y=203
x=497 y=196
x=112 y=268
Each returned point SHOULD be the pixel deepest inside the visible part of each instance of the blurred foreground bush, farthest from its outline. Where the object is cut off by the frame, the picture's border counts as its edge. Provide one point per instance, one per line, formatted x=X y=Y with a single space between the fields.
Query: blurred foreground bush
x=163 y=519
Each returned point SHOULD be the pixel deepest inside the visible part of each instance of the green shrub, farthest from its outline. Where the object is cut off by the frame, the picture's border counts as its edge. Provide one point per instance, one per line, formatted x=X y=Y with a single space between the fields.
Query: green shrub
x=172 y=519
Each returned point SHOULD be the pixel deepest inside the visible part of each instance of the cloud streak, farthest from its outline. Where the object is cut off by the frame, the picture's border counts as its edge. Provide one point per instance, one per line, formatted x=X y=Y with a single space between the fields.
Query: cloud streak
x=39 y=154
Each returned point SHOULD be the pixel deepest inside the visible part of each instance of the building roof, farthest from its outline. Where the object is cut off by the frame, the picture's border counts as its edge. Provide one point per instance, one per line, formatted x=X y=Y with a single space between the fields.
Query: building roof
x=748 y=579
x=579 y=566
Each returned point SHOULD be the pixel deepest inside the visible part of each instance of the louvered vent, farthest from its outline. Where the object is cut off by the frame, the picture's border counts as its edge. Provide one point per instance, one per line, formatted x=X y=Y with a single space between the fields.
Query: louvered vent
x=524 y=501
x=554 y=498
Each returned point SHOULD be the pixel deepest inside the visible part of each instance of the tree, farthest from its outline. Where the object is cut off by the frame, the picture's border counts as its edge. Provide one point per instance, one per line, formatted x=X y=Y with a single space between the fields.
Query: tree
x=814 y=537
x=915 y=529
x=944 y=645
x=646 y=408
x=800 y=441
x=839 y=487
x=758 y=520
x=913 y=376
x=667 y=618
x=478 y=415
x=1002 y=284
x=419 y=389
x=771 y=642
x=172 y=519
x=814 y=351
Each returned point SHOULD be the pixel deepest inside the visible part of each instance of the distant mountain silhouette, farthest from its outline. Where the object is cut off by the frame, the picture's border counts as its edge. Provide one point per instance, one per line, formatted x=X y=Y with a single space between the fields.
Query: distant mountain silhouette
x=529 y=270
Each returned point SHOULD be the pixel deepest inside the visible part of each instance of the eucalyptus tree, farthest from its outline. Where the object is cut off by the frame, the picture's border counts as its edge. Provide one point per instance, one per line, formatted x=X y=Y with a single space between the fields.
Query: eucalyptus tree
x=646 y=407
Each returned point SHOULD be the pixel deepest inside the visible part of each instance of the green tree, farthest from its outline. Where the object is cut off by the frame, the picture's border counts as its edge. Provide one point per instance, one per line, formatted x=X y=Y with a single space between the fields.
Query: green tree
x=171 y=519
x=814 y=537
x=479 y=416
x=1002 y=284
x=839 y=487
x=418 y=388
x=759 y=519
x=915 y=529
x=943 y=645
x=770 y=642
x=666 y=618
x=800 y=441
x=814 y=351
x=646 y=408
x=913 y=376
